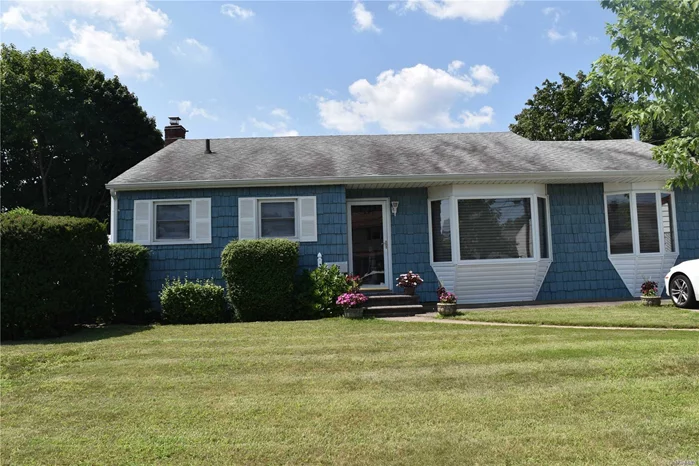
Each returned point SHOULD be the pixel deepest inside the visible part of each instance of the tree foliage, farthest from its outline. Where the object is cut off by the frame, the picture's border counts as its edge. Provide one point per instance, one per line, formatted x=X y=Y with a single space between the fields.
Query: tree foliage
x=658 y=60
x=65 y=132
x=572 y=110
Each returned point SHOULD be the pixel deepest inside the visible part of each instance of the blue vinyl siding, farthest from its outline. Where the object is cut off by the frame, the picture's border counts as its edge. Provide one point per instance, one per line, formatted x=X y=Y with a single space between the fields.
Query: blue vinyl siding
x=204 y=260
x=410 y=244
x=687 y=210
x=580 y=269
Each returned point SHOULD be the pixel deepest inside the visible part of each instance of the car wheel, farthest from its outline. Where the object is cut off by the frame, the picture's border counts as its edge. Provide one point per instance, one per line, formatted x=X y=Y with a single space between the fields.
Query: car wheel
x=681 y=291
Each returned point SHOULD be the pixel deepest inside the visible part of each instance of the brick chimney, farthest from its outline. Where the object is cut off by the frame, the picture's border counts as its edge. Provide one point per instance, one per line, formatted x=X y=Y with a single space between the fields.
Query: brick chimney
x=174 y=131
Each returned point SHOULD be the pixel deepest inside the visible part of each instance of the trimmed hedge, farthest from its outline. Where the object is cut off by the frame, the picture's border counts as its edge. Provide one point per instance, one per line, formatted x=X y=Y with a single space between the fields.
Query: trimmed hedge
x=192 y=302
x=260 y=278
x=129 y=302
x=54 y=274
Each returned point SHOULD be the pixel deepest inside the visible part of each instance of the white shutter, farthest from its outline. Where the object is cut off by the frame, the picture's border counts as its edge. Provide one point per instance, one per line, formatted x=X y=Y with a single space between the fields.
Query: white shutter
x=308 y=229
x=142 y=221
x=247 y=222
x=202 y=220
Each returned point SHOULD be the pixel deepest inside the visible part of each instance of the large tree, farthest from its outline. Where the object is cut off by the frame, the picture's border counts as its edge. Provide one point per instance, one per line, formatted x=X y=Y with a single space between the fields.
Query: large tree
x=572 y=110
x=657 y=42
x=65 y=132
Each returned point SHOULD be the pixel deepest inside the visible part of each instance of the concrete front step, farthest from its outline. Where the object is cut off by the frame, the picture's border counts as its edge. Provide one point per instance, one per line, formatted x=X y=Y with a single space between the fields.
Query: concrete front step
x=391 y=300
x=403 y=310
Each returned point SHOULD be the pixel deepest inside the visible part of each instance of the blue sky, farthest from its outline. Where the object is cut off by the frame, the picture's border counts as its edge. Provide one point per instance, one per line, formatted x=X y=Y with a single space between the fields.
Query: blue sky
x=287 y=68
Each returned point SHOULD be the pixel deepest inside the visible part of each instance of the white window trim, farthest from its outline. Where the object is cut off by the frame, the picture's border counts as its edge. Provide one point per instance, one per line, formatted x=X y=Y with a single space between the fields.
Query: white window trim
x=297 y=216
x=456 y=250
x=634 y=222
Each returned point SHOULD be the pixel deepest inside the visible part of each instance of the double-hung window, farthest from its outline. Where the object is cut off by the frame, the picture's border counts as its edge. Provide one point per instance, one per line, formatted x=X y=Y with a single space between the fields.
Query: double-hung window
x=277 y=219
x=293 y=218
x=640 y=222
x=172 y=221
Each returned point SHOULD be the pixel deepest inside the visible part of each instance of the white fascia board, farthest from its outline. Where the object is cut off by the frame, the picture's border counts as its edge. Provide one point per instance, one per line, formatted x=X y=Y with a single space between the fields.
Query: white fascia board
x=540 y=177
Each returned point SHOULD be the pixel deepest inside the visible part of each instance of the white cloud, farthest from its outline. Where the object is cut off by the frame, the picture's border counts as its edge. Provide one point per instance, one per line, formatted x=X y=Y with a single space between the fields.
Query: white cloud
x=234 y=11
x=280 y=113
x=410 y=99
x=475 y=120
x=17 y=18
x=291 y=132
x=469 y=10
x=193 y=49
x=186 y=107
x=363 y=18
x=591 y=40
x=135 y=18
x=554 y=35
x=553 y=11
x=455 y=66
x=276 y=128
x=102 y=49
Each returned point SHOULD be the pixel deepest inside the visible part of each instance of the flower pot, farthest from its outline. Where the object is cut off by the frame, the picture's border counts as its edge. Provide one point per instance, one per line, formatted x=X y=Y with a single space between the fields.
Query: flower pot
x=446 y=309
x=354 y=312
x=409 y=290
x=650 y=300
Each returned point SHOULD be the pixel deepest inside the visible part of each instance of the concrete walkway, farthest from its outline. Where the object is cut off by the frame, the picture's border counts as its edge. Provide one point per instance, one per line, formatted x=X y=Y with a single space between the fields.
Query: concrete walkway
x=430 y=318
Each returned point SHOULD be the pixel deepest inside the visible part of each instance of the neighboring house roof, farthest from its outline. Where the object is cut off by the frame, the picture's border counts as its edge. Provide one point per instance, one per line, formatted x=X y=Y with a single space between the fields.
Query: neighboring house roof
x=409 y=159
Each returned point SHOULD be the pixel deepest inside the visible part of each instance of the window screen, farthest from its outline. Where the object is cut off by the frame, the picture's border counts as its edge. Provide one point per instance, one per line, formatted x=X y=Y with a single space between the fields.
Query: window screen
x=647 y=211
x=441 y=231
x=495 y=228
x=543 y=228
x=668 y=222
x=619 y=217
x=172 y=221
x=278 y=219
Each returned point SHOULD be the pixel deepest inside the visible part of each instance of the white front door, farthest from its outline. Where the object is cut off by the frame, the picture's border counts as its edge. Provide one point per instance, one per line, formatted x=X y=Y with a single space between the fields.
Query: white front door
x=368 y=236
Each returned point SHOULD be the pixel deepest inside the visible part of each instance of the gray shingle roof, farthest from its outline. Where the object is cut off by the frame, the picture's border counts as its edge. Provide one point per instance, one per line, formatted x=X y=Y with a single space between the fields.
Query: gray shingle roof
x=409 y=155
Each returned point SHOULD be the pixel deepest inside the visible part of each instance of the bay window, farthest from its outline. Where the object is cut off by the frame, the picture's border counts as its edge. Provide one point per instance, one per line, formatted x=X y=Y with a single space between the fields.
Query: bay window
x=495 y=228
x=489 y=228
x=640 y=223
x=441 y=230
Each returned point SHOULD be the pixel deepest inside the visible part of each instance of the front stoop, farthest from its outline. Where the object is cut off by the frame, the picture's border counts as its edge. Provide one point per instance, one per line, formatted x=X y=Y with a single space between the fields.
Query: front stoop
x=392 y=305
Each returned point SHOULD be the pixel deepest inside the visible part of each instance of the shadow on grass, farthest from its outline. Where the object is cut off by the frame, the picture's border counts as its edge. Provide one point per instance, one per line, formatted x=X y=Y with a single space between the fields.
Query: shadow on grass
x=85 y=335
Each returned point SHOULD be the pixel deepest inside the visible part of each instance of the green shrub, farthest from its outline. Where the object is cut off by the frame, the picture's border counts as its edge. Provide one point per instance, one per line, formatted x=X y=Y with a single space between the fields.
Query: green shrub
x=260 y=278
x=192 y=302
x=318 y=290
x=54 y=274
x=129 y=302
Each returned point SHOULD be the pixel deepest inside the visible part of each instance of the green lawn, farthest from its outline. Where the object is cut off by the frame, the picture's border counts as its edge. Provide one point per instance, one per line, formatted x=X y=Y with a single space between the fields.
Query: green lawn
x=352 y=392
x=615 y=315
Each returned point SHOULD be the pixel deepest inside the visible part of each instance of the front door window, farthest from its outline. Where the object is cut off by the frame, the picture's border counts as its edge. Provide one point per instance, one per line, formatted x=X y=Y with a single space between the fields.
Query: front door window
x=368 y=243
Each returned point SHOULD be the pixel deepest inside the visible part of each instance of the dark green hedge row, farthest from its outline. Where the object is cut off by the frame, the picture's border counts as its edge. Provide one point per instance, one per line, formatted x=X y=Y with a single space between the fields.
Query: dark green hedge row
x=54 y=273
x=128 y=298
x=260 y=278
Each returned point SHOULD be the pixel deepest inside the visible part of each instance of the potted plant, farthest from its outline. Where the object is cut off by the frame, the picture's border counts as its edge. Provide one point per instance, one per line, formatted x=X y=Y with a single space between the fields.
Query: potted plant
x=649 y=293
x=409 y=281
x=351 y=304
x=446 y=302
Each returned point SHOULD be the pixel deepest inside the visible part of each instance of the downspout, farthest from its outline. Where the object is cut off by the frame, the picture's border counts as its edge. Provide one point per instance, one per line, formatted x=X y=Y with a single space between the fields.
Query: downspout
x=113 y=217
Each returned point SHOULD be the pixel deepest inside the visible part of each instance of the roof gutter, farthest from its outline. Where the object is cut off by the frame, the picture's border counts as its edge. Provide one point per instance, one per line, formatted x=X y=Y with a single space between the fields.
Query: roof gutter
x=547 y=177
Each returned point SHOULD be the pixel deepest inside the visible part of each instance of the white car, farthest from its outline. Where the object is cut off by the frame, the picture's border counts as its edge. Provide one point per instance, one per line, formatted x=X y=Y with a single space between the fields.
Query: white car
x=682 y=283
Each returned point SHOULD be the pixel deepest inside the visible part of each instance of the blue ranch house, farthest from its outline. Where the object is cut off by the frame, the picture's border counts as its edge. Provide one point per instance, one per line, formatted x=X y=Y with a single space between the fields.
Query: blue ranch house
x=493 y=216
